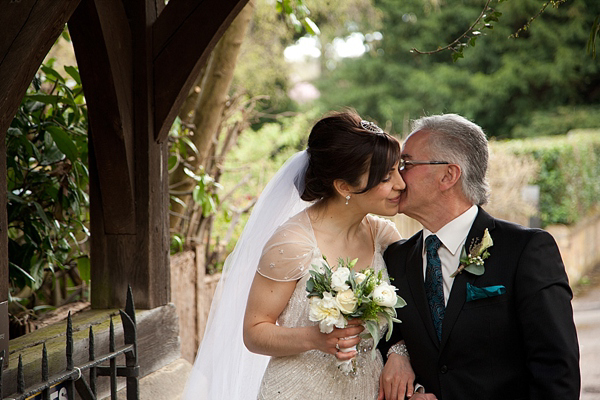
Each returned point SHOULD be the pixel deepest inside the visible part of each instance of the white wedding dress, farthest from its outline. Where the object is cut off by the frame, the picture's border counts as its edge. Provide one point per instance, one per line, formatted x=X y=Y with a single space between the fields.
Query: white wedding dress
x=313 y=375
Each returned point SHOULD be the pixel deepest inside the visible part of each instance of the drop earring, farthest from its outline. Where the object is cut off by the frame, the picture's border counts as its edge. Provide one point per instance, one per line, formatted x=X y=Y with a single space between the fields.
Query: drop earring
x=347 y=198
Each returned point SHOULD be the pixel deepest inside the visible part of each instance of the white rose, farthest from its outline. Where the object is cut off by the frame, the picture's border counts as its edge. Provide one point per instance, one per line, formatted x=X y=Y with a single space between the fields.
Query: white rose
x=346 y=301
x=339 y=278
x=359 y=277
x=326 y=313
x=385 y=295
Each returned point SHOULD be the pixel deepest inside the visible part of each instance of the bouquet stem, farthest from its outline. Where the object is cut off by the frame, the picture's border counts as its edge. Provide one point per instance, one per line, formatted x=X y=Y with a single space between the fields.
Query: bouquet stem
x=347 y=366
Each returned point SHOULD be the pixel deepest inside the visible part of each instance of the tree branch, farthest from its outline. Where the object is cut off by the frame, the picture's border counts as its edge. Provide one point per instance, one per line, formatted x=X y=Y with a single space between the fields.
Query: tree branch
x=456 y=41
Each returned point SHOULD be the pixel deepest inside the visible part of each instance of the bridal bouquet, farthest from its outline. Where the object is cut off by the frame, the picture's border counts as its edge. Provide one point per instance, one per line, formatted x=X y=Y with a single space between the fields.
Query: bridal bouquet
x=342 y=294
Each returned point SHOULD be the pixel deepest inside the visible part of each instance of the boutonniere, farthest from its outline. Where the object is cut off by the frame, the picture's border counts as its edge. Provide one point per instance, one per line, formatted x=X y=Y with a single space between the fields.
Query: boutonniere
x=473 y=262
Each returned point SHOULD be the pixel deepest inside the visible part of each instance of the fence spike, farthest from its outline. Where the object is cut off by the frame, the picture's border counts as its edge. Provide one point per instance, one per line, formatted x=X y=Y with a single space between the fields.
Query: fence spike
x=69 y=342
x=20 y=376
x=129 y=305
x=129 y=328
x=44 y=363
x=91 y=344
x=112 y=362
x=45 y=392
x=111 y=343
x=92 y=354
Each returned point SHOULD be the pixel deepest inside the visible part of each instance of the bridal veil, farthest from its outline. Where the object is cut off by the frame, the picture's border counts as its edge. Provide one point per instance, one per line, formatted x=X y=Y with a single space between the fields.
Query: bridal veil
x=224 y=369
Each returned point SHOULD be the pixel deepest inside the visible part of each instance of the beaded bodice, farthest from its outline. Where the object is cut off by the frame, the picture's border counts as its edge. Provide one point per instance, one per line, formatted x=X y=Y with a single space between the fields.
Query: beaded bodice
x=313 y=374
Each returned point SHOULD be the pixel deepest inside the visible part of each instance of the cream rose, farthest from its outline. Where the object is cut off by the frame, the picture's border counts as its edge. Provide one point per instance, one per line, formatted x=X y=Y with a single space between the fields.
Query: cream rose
x=346 y=301
x=326 y=312
x=385 y=295
x=339 y=278
x=359 y=277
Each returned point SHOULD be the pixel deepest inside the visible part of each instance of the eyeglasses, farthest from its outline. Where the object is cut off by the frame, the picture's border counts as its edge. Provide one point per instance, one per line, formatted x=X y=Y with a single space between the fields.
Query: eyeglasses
x=404 y=163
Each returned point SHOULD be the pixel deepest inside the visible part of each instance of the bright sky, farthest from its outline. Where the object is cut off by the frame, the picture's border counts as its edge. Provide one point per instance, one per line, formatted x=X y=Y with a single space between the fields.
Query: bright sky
x=352 y=45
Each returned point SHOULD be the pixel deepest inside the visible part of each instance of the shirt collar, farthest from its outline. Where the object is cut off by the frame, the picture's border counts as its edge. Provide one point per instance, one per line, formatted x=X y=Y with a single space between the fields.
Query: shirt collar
x=454 y=233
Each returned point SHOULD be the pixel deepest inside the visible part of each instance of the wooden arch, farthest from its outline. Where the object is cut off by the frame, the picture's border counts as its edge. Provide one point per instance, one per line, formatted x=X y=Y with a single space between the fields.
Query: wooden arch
x=137 y=66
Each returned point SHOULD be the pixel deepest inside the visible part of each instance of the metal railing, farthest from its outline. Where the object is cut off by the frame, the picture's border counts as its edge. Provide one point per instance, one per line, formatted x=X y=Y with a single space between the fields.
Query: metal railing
x=72 y=378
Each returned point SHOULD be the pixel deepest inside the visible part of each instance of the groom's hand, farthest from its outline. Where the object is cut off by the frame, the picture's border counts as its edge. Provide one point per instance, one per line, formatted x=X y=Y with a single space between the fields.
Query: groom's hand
x=397 y=379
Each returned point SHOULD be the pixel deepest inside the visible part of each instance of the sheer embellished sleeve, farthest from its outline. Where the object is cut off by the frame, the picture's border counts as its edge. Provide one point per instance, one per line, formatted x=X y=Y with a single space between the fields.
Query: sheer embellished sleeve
x=386 y=232
x=288 y=253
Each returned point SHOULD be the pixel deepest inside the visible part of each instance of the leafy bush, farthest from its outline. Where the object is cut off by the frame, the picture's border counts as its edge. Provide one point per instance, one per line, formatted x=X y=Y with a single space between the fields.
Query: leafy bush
x=559 y=121
x=250 y=166
x=47 y=179
x=569 y=172
x=507 y=201
x=499 y=84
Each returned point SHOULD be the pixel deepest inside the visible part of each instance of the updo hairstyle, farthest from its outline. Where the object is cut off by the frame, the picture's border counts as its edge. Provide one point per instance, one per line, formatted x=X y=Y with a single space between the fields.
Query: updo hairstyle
x=341 y=148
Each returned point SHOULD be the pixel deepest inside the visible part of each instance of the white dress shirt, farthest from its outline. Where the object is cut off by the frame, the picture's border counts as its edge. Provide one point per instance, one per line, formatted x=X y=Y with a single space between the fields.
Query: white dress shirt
x=453 y=236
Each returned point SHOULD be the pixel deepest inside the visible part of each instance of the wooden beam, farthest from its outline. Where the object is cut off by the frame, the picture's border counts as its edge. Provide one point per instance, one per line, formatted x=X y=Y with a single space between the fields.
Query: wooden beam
x=28 y=29
x=102 y=41
x=184 y=35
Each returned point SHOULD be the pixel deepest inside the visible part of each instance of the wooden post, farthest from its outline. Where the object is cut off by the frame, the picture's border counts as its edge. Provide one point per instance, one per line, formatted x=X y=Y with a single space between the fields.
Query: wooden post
x=151 y=188
x=28 y=29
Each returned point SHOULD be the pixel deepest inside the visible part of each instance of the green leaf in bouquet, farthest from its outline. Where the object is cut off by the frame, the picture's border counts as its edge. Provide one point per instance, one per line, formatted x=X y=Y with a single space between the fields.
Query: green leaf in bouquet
x=310 y=285
x=369 y=284
x=373 y=328
x=400 y=302
x=390 y=324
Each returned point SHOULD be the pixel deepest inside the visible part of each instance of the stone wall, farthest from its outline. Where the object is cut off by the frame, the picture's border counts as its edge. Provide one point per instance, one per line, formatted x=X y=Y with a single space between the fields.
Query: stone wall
x=579 y=246
x=191 y=292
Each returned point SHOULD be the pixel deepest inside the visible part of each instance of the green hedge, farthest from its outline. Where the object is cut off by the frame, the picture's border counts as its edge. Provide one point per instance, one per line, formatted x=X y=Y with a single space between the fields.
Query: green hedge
x=569 y=177
x=558 y=121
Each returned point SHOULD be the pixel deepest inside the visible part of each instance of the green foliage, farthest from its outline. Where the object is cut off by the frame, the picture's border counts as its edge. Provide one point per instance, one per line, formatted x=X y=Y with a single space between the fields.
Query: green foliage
x=594 y=33
x=258 y=72
x=205 y=192
x=569 y=174
x=499 y=84
x=253 y=162
x=47 y=179
x=559 y=121
x=297 y=13
x=261 y=70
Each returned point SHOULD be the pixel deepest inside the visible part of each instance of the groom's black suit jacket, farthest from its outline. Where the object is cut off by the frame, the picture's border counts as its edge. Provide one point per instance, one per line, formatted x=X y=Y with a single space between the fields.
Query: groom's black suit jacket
x=519 y=345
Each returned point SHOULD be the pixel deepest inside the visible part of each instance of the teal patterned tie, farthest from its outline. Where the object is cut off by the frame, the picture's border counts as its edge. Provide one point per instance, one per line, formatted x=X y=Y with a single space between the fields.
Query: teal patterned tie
x=434 y=283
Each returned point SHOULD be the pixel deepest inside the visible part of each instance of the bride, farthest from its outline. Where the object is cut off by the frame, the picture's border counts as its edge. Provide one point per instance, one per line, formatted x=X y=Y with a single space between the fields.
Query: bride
x=318 y=204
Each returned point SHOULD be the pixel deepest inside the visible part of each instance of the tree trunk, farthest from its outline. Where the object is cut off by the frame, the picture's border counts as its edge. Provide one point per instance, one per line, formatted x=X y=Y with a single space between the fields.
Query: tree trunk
x=210 y=104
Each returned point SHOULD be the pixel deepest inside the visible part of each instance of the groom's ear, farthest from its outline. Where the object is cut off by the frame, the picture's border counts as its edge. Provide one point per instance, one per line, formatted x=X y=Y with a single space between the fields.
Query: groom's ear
x=451 y=177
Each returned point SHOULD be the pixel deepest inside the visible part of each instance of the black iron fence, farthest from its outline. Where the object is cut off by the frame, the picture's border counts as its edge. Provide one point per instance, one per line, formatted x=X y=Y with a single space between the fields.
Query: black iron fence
x=62 y=386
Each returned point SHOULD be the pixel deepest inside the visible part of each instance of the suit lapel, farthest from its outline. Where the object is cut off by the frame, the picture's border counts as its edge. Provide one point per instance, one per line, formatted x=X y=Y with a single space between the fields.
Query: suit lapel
x=458 y=294
x=417 y=287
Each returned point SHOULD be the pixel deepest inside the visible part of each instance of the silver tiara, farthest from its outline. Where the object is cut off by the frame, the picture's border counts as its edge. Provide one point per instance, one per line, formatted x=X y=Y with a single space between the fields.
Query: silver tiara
x=370 y=126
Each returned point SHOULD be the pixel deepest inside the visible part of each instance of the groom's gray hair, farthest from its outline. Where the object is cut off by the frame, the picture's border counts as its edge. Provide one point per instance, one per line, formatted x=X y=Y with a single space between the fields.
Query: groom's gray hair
x=459 y=141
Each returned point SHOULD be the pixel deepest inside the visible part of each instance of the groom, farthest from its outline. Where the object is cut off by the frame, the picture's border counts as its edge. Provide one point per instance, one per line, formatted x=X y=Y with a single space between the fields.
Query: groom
x=502 y=328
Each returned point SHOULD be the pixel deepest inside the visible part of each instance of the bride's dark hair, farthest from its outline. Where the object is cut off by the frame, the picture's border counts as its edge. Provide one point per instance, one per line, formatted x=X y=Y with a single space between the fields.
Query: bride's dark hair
x=343 y=146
